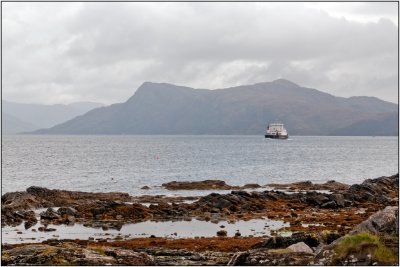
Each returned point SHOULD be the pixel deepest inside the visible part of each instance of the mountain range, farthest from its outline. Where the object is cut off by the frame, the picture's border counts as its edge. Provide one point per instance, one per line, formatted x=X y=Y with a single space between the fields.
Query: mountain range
x=161 y=108
x=20 y=117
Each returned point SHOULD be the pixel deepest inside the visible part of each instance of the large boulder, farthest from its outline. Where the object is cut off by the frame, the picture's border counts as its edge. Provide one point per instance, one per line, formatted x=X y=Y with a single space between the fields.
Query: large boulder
x=264 y=257
x=300 y=247
x=369 y=243
x=383 y=221
x=49 y=214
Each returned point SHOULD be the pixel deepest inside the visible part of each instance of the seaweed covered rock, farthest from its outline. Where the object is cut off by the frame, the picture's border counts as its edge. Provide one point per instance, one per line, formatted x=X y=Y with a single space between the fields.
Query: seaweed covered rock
x=20 y=201
x=113 y=210
x=205 y=185
x=12 y=217
x=198 y=185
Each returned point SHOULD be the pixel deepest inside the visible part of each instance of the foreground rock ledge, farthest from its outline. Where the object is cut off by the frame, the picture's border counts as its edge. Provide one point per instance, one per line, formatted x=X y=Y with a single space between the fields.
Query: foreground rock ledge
x=331 y=216
x=381 y=231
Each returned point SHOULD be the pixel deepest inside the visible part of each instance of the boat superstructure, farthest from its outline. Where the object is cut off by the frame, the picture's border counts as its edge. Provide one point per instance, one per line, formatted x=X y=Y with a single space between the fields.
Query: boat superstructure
x=276 y=131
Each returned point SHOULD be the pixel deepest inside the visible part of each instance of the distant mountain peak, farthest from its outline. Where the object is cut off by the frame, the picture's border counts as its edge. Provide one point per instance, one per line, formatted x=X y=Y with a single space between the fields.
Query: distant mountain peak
x=162 y=108
x=285 y=83
x=155 y=85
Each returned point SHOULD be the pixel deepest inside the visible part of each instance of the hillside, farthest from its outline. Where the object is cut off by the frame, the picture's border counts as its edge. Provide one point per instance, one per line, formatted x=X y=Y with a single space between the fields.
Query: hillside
x=15 y=125
x=36 y=116
x=160 y=108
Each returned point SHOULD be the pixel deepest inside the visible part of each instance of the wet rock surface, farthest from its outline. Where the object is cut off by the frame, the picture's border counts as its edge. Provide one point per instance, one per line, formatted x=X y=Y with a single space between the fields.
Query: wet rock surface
x=205 y=185
x=307 y=185
x=319 y=221
x=297 y=208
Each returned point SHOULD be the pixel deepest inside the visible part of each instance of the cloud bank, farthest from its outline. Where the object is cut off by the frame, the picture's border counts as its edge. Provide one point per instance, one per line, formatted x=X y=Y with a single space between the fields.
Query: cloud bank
x=66 y=52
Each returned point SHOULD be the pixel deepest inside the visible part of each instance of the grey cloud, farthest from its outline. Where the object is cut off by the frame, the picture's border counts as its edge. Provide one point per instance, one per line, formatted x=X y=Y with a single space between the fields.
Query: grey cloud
x=104 y=51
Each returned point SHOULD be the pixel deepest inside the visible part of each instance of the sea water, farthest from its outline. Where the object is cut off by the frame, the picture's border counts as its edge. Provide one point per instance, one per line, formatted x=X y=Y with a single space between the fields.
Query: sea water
x=127 y=163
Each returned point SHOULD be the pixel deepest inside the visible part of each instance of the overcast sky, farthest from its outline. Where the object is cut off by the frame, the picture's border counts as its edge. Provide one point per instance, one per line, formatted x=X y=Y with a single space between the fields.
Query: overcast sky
x=102 y=52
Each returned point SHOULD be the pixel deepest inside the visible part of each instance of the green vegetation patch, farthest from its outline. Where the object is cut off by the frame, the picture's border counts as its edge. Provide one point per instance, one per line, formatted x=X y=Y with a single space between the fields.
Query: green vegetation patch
x=99 y=250
x=362 y=244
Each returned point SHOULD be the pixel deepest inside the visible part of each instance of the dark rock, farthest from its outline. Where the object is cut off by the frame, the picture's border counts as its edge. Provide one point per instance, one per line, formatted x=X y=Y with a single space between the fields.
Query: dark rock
x=239 y=259
x=249 y=186
x=222 y=203
x=39 y=191
x=242 y=193
x=67 y=211
x=29 y=224
x=283 y=242
x=49 y=214
x=20 y=201
x=222 y=233
x=331 y=237
x=201 y=185
x=381 y=190
x=309 y=186
x=145 y=187
x=339 y=199
x=70 y=220
x=315 y=198
x=329 y=205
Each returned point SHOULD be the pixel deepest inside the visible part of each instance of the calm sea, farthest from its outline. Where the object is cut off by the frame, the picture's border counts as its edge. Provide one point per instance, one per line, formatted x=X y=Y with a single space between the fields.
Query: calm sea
x=126 y=163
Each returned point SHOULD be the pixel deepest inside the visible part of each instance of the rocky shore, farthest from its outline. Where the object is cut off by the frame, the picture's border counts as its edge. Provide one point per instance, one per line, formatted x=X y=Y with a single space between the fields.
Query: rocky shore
x=349 y=225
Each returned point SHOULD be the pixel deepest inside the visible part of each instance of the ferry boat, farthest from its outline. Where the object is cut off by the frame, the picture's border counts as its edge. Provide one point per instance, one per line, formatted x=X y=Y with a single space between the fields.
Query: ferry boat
x=276 y=131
